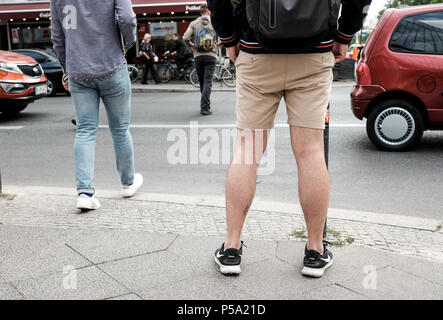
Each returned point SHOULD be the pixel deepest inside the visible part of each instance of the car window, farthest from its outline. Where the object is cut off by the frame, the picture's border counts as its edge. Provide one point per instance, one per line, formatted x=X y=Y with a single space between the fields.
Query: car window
x=420 y=33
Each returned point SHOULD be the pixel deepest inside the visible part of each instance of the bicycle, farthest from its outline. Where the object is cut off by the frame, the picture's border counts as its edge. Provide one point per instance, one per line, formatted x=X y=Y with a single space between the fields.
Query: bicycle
x=224 y=72
x=168 y=70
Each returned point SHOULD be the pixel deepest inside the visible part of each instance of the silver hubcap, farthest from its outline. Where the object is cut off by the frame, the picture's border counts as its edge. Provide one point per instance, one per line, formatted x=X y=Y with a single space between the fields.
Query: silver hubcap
x=50 y=87
x=395 y=126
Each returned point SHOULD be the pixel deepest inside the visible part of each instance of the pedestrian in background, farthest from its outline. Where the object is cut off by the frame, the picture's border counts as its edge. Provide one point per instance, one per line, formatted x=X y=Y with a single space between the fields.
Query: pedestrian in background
x=201 y=36
x=87 y=40
x=148 y=55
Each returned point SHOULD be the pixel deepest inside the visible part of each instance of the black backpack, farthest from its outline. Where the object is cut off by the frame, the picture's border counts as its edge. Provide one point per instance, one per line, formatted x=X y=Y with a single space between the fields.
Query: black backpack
x=291 y=25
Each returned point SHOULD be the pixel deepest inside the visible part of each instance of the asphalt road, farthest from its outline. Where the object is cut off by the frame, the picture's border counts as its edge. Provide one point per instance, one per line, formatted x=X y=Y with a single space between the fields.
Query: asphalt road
x=36 y=150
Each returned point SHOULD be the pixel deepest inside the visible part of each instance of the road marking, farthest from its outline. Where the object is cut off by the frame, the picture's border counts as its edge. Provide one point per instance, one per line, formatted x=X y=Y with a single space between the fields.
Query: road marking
x=215 y=126
x=11 y=127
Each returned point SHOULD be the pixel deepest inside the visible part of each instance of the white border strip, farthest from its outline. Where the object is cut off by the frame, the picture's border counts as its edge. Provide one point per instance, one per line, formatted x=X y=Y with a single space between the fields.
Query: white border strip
x=215 y=126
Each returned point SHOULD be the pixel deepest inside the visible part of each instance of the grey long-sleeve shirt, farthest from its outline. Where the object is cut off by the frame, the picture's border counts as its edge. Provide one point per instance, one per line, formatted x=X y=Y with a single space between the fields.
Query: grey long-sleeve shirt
x=86 y=35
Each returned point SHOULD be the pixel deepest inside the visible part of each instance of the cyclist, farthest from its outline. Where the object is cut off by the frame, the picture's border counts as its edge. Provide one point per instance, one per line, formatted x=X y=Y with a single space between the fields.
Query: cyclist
x=183 y=52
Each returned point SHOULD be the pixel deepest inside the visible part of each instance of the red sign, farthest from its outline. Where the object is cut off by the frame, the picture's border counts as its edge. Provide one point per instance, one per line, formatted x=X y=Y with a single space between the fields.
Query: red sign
x=42 y=10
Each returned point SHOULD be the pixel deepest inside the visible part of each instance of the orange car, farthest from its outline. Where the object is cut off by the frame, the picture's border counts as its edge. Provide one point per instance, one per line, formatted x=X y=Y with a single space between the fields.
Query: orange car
x=21 y=82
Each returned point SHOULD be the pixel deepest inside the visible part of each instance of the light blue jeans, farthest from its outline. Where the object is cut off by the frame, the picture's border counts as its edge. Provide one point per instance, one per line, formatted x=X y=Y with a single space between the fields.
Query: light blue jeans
x=116 y=95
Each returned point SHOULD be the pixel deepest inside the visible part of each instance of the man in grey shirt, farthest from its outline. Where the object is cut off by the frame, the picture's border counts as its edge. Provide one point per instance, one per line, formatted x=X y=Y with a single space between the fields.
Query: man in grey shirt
x=90 y=38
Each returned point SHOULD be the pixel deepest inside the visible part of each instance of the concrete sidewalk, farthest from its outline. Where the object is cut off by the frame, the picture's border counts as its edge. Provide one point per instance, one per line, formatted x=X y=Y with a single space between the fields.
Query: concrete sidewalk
x=161 y=247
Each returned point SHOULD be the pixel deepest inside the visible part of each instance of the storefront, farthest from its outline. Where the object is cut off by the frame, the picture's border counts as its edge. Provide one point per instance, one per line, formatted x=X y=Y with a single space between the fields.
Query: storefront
x=26 y=24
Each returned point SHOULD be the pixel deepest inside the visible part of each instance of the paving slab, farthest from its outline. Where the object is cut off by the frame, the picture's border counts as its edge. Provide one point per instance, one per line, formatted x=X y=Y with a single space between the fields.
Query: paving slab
x=144 y=272
x=416 y=266
x=200 y=250
x=333 y=292
x=203 y=286
x=27 y=252
x=91 y=284
x=393 y=284
x=108 y=245
x=8 y=292
x=273 y=279
x=130 y=296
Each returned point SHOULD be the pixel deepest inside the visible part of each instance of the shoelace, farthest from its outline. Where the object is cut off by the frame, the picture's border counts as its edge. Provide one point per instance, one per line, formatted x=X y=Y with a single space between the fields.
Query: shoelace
x=327 y=243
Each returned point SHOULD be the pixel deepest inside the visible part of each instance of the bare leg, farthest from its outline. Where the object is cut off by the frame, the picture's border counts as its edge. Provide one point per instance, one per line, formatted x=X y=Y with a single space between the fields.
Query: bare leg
x=313 y=180
x=241 y=182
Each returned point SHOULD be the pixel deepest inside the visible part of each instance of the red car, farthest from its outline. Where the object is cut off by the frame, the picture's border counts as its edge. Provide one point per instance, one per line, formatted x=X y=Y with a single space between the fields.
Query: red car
x=400 y=78
x=22 y=81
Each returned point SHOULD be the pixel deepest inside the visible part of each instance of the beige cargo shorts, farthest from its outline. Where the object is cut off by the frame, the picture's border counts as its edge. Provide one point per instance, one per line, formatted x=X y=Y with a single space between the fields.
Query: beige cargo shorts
x=304 y=81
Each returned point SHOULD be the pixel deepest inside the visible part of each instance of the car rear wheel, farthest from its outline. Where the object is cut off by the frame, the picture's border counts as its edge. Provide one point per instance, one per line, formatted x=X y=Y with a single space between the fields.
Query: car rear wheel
x=395 y=125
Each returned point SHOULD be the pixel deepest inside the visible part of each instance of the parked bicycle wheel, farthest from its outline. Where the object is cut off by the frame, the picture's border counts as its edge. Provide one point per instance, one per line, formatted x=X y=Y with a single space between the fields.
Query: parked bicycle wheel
x=194 y=78
x=164 y=74
x=187 y=74
x=133 y=73
x=229 y=77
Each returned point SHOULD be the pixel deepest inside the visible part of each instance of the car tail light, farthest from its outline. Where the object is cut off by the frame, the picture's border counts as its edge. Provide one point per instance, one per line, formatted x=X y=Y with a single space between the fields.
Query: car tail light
x=364 y=74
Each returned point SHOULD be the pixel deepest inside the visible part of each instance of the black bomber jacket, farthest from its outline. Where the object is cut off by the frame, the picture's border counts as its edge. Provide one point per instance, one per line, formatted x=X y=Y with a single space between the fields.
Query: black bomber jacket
x=232 y=26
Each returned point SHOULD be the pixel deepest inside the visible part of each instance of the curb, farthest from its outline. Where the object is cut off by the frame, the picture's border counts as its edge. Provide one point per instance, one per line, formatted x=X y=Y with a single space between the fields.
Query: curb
x=393 y=220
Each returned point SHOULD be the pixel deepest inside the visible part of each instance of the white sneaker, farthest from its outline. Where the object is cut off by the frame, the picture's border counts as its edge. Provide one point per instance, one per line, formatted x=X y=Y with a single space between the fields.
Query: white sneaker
x=86 y=203
x=129 y=191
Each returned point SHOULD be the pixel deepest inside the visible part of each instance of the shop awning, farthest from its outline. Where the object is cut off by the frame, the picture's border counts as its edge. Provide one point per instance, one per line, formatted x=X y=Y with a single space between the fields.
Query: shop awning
x=42 y=10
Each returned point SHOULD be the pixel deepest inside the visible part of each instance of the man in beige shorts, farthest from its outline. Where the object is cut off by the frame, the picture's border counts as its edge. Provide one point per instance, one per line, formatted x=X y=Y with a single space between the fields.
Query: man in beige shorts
x=302 y=76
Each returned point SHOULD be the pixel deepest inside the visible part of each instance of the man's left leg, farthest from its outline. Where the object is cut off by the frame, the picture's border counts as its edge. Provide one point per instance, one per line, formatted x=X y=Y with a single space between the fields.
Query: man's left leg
x=116 y=93
x=208 y=76
x=313 y=181
x=307 y=97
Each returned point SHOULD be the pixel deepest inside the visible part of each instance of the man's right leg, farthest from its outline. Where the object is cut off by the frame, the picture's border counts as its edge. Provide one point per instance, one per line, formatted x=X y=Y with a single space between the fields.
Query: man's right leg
x=208 y=76
x=86 y=101
x=240 y=191
x=241 y=182
x=258 y=98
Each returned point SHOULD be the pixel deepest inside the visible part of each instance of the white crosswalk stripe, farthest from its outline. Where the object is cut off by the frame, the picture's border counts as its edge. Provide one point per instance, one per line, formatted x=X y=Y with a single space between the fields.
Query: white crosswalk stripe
x=215 y=126
x=7 y=128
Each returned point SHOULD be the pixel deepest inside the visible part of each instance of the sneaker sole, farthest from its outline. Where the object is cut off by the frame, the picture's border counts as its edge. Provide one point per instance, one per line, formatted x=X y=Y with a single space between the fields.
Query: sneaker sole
x=228 y=270
x=83 y=206
x=128 y=194
x=131 y=192
x=316 y=273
